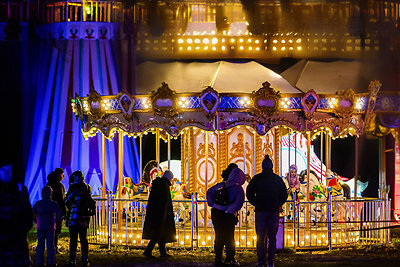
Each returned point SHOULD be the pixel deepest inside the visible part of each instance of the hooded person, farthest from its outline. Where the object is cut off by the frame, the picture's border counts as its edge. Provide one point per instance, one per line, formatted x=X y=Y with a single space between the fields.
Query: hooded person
x=78 y=195
x=267 y=192
x=46 y=214
x=224 y=217
x=159 y=224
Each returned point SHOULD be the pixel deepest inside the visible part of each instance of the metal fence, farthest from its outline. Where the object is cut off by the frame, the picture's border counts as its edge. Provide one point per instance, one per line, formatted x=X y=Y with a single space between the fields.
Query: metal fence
x=326 y=224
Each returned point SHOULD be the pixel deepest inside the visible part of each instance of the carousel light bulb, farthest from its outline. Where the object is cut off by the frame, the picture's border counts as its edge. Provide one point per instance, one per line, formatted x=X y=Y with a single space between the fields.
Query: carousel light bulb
x=187 y=237
x=130 y=235
x=123 y=235
x=138 y=236
x=275 y=41
x=180 y=41
x=307 y=237
x=241 y=40
x=274 y=48
x=302 y=243
x=250 y=48
x=241 y=47
x=257 y=41
x=223 y=48
x=254 y=237
x=209 y=237
x=237 y=243
x=203 y=243
x=189 y=41
x=134 y=241
x=206 y=41
x=206 y=48
x=197 y=41
x=182 y=242
x=242 y=237
x=214 y=40
x=248 y=243
x=299 y=48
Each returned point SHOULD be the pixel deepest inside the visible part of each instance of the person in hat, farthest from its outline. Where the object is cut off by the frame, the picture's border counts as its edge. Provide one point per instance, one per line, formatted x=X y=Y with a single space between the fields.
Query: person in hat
x=267 y=192
x=159 y=224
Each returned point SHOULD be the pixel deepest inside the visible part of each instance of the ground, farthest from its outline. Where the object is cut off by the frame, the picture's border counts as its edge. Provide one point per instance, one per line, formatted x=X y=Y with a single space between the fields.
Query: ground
x=385 y=256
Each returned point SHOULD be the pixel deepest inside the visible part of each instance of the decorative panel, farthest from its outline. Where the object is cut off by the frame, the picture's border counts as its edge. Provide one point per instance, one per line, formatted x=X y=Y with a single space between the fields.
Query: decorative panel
x=240 y=148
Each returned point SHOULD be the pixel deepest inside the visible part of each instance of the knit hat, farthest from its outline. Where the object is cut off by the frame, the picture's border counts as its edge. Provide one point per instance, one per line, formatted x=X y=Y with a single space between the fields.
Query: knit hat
x=227 y=171
x=267 y=163
x=168 y=174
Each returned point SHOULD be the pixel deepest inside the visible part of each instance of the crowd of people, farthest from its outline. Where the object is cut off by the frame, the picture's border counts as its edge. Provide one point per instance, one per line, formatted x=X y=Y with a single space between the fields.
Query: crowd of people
x=266 y=191
x=17 y=217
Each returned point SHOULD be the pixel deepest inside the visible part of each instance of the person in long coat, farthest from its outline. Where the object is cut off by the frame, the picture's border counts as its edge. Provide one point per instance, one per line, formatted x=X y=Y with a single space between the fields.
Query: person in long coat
x=159 y=224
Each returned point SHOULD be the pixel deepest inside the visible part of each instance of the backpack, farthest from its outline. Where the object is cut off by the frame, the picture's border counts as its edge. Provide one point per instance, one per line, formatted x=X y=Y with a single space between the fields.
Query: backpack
x=88 y=206
x=221 y=196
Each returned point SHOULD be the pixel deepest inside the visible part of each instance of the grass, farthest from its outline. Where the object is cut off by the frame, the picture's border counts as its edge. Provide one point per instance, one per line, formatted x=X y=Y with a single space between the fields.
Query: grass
x=352 y=256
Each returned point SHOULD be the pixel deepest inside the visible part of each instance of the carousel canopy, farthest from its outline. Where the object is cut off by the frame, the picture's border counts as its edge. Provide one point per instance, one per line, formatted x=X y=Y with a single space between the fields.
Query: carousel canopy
x=225 y=77
x=330 y=77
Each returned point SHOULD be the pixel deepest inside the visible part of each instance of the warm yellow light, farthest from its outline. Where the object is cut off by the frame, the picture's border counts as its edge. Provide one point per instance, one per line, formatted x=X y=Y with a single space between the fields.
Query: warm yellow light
x=257 y=41
x=206 y=48
x=203 y=243
x=197 y=41
x=189 y=41
x=250 y=48
x=237 y=243
x=241 y=40
x=249 y=40
x=274 y=48
x=180 y=41
x=283 y=41
x=223 y=48
x=241 y=47
x=189 y=48
x=214 y=41
x=182 y=242
x=214 y=48
x=187 y=237
x=283 y=48
x=180 y=48
x=298 y=41
x=299 y=48
x=275 y=41
x=257 y=49
x=197 y=47
x=232 y=40
x=206 y=41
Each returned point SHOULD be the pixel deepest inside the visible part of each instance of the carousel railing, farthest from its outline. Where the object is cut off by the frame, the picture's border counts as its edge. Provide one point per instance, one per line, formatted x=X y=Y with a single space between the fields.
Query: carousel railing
x=308 y=225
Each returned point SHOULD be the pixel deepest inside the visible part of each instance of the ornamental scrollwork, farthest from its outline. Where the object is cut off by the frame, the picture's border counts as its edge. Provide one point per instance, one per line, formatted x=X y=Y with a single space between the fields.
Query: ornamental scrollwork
x=94 y=104
x=265 y=102
x=163 y=101
x=309 y=103
x=345 y=103
x=209 y=100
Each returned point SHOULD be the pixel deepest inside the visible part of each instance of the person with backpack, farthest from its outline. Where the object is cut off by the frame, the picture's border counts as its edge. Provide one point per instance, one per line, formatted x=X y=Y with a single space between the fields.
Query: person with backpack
x=226 y=199
x=79 y=203
x=46 y=214
x=267 y=192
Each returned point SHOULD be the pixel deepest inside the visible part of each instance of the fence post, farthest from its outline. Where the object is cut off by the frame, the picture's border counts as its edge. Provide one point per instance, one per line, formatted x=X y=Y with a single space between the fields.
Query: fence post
x=192 y=222
x=197 y=221
x=330 y=221
x=295 y=230
x=109 y=223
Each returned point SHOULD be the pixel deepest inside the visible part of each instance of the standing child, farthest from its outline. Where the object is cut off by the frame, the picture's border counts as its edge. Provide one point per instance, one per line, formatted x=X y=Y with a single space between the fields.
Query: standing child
x=46 y=213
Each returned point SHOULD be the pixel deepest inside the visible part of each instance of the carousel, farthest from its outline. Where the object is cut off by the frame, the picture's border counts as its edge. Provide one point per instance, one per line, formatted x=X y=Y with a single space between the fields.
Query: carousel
x=222 y=122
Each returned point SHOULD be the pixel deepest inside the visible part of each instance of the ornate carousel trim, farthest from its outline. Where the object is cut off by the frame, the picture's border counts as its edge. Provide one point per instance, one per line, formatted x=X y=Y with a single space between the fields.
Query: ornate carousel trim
x=213 y=111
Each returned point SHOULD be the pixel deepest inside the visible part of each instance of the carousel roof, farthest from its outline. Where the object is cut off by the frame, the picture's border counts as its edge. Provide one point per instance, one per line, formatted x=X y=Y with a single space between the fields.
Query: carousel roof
x=330 y=77
x=225 y=77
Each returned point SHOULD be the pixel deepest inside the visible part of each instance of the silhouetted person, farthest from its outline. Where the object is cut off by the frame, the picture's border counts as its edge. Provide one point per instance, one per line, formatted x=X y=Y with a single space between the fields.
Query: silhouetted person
x=46 y=213
x=159 y=224
x=54 y=181
x=77 y=220
x=15 y=220
x=225 y=217
x=267 y=192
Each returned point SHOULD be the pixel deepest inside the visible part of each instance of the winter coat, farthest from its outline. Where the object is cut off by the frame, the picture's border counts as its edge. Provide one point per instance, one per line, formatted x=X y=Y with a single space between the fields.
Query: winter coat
x=58 y=193
x=236 y=193
x=15 y=223
x=266 y=191
x=159 y=224
x=77 y=194
x=46 y=213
